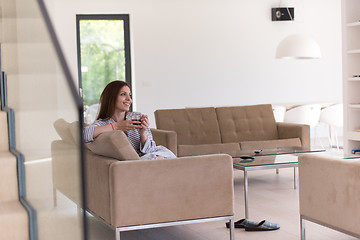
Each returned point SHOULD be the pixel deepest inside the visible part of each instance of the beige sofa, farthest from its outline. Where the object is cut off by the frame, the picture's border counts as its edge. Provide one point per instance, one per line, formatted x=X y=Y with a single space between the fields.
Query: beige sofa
x=128 y=193
x=224 y=129
x=329 y=192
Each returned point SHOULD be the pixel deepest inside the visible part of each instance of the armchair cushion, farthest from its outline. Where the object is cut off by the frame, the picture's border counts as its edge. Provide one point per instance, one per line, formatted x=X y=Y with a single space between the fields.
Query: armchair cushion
x=113 y=144
x=63 y=128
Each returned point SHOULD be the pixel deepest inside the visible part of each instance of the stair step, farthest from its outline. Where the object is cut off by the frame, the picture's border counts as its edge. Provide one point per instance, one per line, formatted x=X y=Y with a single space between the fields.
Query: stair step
x=21 y=84
x=42 y=55
x=25 y=9
x=13 y=221
x=4 y=141
x=8 y=178
x=29 y=30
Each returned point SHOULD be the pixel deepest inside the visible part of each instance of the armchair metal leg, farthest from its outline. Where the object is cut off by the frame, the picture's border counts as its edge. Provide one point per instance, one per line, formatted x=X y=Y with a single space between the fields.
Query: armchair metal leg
x=117 y=234
x=232 y=229
x=118 y=230
x=302 y=228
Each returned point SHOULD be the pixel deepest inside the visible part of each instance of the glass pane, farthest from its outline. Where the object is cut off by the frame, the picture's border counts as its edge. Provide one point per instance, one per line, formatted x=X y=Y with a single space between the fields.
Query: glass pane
x=265 y=160
x=47 y=124
x=102 y=52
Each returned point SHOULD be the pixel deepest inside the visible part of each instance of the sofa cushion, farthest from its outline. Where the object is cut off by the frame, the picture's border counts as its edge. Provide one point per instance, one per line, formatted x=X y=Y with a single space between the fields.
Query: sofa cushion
x=188 y=150
x=247 y=123
x=64 y=129
x=192 y=125
x=269 y=144
x=113 y=144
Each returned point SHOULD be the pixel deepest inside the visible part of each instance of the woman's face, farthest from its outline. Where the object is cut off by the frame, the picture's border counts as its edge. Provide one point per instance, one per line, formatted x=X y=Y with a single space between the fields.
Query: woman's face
x=124 y=100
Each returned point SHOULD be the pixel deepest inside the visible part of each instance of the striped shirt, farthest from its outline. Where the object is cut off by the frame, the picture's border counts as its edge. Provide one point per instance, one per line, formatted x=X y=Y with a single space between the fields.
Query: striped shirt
x=132 y=135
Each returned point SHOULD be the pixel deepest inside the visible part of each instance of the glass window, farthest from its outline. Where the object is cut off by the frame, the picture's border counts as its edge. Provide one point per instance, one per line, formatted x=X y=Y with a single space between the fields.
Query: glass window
x=103 y=49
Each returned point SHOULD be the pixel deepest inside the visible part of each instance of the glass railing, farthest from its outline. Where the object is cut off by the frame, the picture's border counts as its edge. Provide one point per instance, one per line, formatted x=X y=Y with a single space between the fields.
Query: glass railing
x=47 y=120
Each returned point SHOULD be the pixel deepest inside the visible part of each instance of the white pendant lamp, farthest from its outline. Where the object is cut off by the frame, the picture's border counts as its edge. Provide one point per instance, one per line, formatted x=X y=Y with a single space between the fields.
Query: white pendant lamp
x=298 y=46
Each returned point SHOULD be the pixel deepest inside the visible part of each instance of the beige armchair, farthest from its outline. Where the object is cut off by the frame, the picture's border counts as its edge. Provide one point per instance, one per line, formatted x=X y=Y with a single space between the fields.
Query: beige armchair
x=129 y=194
x=329 y=191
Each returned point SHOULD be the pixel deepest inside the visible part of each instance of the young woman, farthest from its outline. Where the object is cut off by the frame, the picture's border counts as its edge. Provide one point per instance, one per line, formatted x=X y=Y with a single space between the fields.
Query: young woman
x=114 y=114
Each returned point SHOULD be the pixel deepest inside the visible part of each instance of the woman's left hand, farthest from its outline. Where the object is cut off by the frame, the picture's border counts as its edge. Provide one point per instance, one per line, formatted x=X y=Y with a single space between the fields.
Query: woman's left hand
x=144 y=123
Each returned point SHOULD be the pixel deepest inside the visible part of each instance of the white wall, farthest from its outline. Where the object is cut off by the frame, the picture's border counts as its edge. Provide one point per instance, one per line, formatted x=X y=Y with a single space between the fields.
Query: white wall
x=193 y=53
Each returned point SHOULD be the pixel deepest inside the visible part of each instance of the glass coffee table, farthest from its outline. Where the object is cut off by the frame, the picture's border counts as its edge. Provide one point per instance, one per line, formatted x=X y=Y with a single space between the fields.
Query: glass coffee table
x=252 y=160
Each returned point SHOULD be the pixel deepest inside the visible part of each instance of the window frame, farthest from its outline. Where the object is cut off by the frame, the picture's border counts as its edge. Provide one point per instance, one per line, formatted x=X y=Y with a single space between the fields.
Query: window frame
x=123 y=17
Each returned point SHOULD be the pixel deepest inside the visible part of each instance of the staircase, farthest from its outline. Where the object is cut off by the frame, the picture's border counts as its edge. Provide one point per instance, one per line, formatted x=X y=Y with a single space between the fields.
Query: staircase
x=14 y=223
x=41 y=90
x=13 y=217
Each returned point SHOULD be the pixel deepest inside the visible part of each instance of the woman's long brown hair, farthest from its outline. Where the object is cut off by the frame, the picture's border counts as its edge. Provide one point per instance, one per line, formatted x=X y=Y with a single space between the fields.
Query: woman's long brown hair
x=108 y=99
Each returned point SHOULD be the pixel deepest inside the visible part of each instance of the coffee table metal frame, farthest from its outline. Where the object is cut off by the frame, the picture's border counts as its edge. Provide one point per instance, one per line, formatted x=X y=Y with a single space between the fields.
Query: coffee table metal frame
x=287 y=152
x=292 y=152
x=245 y=169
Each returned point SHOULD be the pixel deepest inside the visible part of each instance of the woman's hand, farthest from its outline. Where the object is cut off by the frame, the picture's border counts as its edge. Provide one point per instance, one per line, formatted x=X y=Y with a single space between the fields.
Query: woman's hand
x=126 y=125
x=144 y=123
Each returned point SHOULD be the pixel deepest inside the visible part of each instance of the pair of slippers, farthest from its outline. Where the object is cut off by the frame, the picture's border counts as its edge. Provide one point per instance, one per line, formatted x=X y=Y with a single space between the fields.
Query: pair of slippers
x=255 y=226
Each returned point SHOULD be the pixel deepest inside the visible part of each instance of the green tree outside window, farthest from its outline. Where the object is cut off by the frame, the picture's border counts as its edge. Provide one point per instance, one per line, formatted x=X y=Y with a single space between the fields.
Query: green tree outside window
x=102 y=56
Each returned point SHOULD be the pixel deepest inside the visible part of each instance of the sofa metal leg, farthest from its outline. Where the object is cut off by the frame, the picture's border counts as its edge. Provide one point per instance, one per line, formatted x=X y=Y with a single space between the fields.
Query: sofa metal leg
x=277 y=170
x=232 y=229
x=302 y=228
x=117 y=234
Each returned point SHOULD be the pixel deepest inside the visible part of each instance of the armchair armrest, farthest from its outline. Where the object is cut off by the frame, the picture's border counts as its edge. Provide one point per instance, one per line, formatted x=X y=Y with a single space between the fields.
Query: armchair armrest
x=329 y=191
x=294 y=130
x=145 y=192
x=97 y=184
x=166 y=138
x=65 y=161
